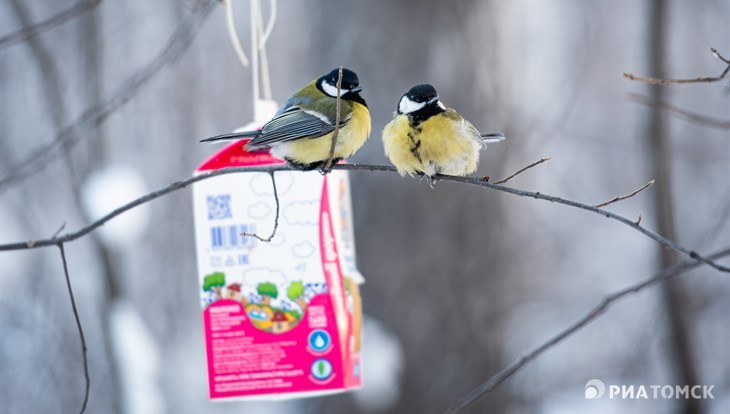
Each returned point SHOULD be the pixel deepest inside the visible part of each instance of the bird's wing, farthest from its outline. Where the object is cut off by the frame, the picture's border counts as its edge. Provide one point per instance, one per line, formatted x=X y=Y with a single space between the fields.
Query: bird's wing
x=471 y=131
x=293 y=123
x=467 y=129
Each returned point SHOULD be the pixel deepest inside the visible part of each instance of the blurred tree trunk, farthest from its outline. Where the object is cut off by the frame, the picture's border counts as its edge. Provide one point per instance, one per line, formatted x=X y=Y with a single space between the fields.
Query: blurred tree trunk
x=93 y=58
x=660 y=152
x=50 y=76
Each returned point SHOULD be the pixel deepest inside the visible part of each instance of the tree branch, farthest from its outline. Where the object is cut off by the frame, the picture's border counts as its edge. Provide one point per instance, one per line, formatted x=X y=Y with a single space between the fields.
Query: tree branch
x=659 y=81
x=718 y=55
x=78 y=326
x=328 y=166
x=597 y=311
x=359 y=167
x=504 y=180
x=624 y=197
x=53 y=21
x=276 y=218
x=176 y=45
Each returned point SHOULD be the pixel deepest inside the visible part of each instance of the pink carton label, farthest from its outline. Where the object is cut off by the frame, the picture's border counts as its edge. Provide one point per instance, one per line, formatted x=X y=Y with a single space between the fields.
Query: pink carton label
x=281 y=319
x=244 y=360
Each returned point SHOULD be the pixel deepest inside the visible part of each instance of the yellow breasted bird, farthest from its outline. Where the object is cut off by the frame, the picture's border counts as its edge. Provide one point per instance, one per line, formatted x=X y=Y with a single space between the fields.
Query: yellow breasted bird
x=301 y=131
x=427 y=137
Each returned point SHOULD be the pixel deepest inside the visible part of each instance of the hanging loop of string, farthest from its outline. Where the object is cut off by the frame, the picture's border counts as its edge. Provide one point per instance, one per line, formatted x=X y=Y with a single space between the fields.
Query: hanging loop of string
x=269 y=24
x=264 y=35
x=259 y=56
x=232 y=33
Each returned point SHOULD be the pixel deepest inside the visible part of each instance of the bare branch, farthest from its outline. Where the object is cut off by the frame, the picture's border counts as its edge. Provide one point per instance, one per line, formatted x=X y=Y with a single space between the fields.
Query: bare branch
x=328 y=166
x=60 y=229
x=597 y=311
x=624 y=197
x=176 y=45
x=504 y=180
x=360 y=167
x=276 y=218
x=53 y=21
x=718 y=55
x=78 y=326
x=659 y=81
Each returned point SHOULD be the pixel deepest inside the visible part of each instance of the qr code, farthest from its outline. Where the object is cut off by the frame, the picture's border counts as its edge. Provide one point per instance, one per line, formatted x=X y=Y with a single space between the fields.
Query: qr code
x=219 y=207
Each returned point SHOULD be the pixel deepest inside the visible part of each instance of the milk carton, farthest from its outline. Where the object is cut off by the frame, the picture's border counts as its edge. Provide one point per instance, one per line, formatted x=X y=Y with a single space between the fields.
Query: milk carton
x=283 y=318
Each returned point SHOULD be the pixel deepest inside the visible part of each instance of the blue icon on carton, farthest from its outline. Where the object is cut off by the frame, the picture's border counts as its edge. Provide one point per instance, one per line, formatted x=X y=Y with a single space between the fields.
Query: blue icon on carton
x=319 y=341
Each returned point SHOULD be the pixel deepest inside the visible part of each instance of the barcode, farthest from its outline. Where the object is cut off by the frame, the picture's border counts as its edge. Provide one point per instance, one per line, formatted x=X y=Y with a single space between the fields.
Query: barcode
x=229 y=237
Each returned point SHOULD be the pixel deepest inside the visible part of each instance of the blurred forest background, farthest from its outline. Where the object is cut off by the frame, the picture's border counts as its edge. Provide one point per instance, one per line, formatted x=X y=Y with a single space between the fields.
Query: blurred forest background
x=460 y=281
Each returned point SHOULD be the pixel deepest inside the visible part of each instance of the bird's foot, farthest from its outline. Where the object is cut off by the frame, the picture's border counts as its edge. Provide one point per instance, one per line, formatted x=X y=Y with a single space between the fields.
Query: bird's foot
x=300 y=166
x=430 y=180
x=323 y=166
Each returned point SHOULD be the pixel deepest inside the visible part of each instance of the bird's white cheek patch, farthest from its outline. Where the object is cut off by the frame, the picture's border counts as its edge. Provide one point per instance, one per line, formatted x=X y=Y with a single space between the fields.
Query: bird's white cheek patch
x=408 y=106
x=332 y=90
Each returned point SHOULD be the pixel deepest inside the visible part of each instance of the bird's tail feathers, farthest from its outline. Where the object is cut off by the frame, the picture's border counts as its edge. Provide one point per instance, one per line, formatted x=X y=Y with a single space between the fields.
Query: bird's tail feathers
x=235 y=136
x=494 y=137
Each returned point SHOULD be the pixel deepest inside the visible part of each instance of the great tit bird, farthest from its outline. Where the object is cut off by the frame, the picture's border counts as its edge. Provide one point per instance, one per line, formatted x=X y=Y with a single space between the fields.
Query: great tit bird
x=427 y=137
x=301 y=131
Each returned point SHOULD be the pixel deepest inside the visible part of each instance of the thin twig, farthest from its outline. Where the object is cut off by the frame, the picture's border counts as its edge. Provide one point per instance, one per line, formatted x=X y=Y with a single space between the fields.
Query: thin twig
x=361 y=167
x=705 y=79
x=60 y=229
x=718 y=55
x=176 y=45
x=276 y=218
x=624 y=197
x=658 y=81
x=681 y=113
x=27 y=32
x=328 y=166
x=638 y=219
x=597 y=311
x=504 y=180
x=78 y=326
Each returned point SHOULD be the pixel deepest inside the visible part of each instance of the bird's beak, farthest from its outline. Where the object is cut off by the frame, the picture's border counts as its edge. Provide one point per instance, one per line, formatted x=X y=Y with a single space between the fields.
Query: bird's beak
x=356 y=89
x=433 y=100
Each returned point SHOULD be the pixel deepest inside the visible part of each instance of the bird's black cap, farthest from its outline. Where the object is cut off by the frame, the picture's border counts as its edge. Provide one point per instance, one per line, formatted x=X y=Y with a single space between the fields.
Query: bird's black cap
x=349 y=78
x=422 y=93
x=420 y=103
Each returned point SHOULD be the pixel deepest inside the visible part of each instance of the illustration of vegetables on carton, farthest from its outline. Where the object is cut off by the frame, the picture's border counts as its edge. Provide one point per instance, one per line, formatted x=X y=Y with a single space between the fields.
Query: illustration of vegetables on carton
x=281 y=319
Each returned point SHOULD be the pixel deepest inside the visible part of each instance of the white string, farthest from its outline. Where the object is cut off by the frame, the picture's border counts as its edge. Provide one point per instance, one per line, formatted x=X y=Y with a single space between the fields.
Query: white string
x=232 y=33
x=265 y=79
x=259 y=37
x=254 y=56
x=269 y=24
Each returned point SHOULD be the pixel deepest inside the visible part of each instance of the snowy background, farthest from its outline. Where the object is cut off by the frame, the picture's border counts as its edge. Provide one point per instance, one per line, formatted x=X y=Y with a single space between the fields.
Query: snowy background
x=460 y=281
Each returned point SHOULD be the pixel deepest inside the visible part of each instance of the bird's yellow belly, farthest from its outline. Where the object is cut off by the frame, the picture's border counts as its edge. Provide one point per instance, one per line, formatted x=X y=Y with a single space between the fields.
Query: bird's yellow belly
x=436 y=146
x=445 y=149
x=350 y=138
x=400 y=148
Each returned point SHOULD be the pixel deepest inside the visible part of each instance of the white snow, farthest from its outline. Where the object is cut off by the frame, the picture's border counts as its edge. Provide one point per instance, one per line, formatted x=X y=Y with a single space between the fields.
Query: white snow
x=138 y=360
x=110 y=188
x=382 y=362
